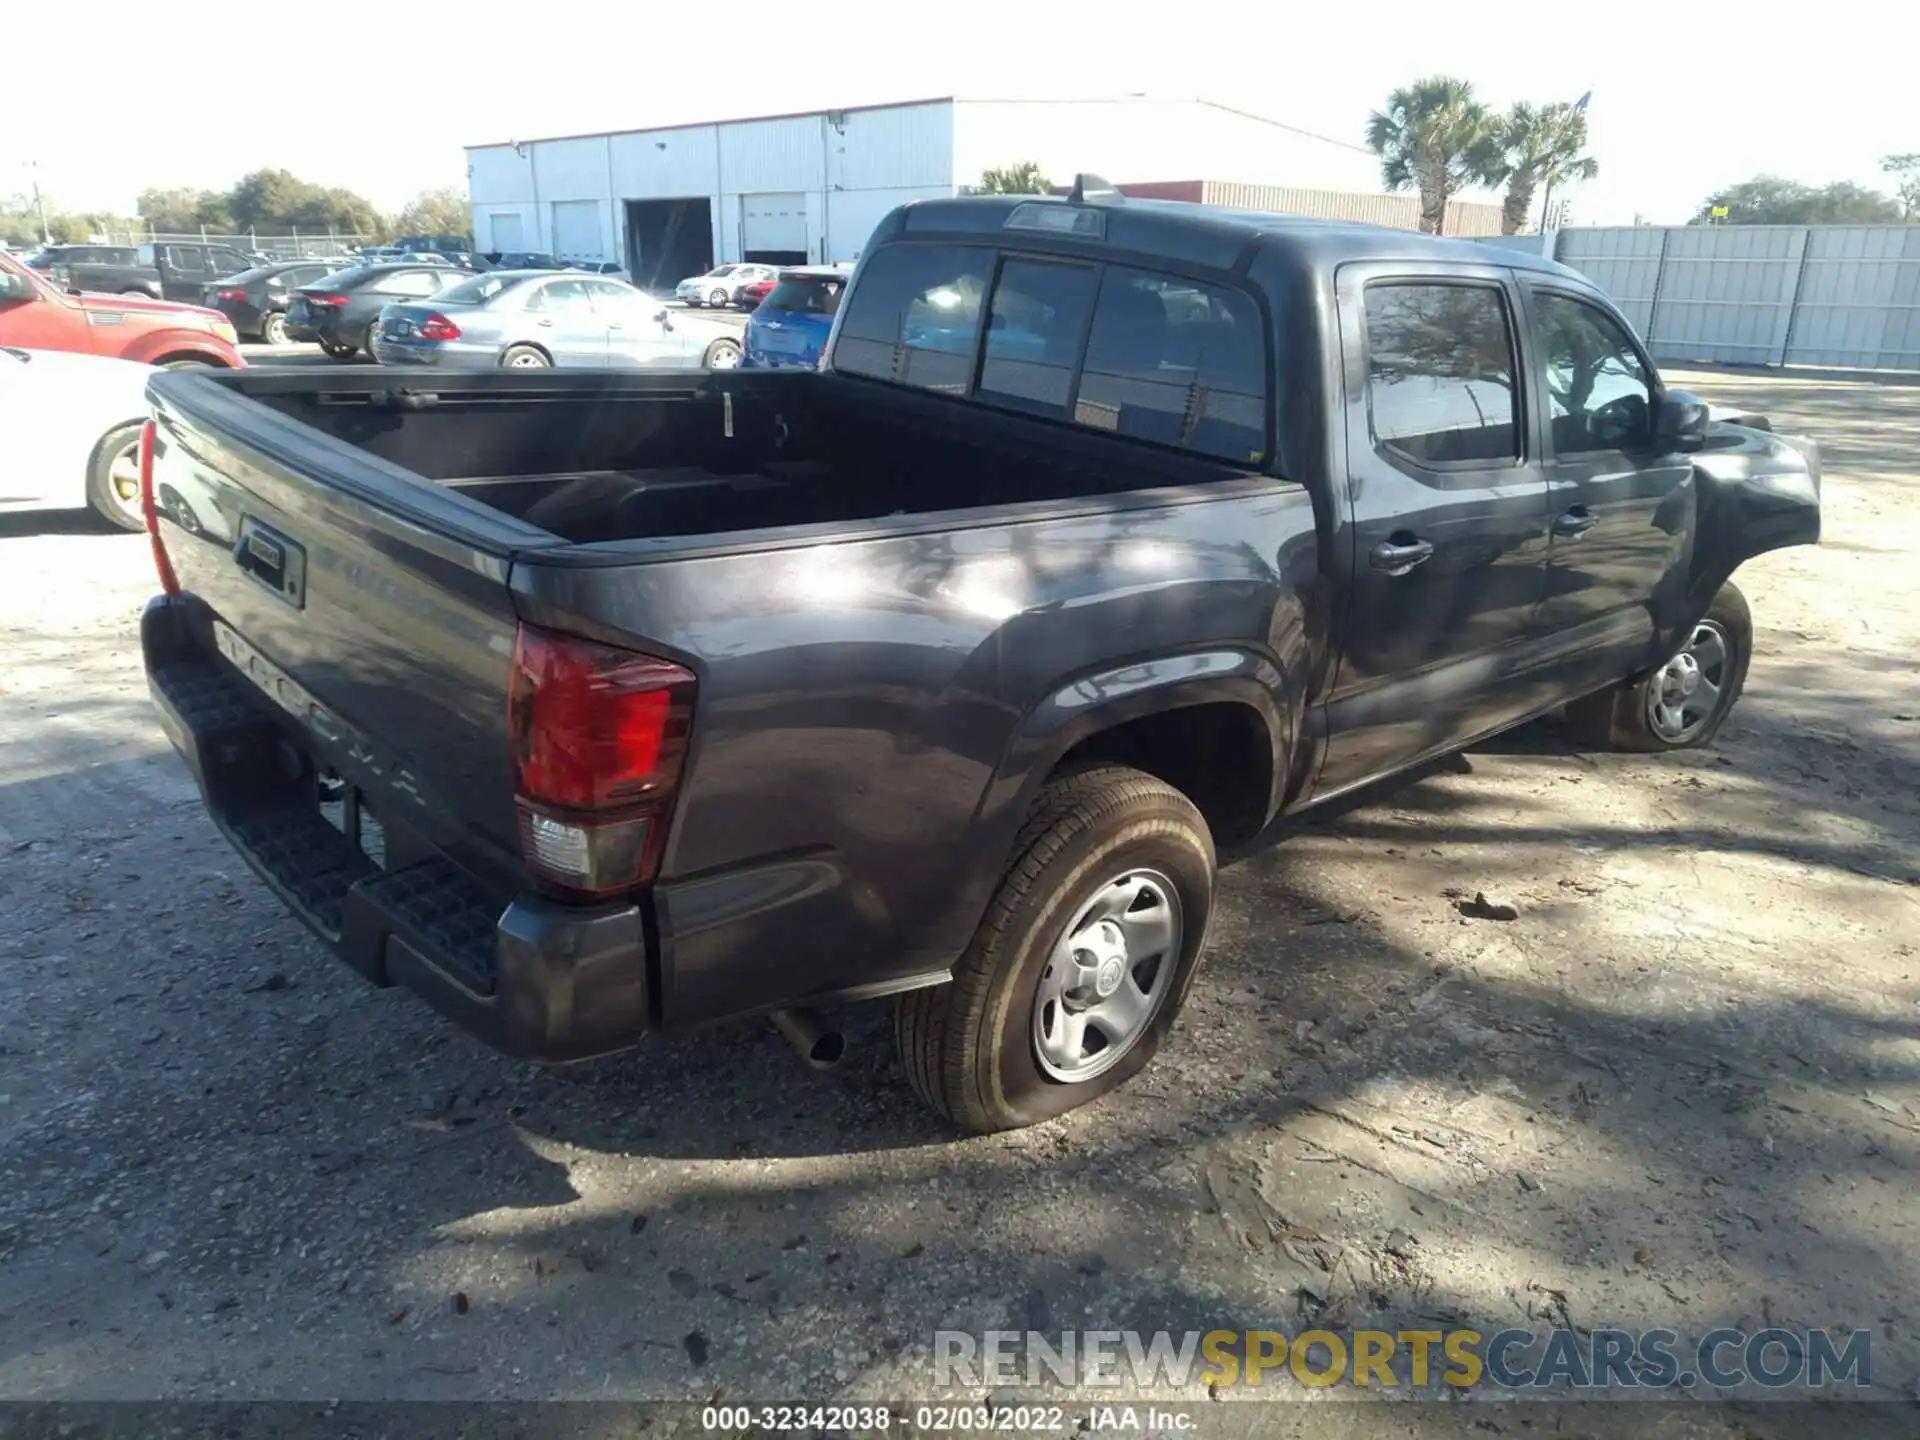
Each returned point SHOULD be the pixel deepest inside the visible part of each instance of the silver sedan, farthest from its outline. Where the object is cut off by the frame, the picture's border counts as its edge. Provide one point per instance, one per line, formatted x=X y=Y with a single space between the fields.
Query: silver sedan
x=526 y=319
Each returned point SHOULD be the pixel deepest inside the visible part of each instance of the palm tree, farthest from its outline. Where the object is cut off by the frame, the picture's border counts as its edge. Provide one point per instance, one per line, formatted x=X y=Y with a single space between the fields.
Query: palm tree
x=1022 y=179
x=1431 y=137
x=1535 y=145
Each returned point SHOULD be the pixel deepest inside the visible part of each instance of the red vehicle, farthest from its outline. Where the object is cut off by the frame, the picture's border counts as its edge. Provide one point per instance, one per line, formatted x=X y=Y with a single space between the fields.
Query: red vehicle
x=750 y=296
x=35 y=315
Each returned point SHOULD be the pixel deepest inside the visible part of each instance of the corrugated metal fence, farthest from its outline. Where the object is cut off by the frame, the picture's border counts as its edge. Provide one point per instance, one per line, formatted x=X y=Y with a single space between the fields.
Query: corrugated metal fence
x=1831 y=295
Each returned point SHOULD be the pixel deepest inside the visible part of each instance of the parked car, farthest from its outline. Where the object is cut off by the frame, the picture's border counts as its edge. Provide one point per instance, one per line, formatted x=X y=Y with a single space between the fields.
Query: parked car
x=599 y=267
x=170 y=270
x=517 y=260
x=790 y=326
x=256 y=300
x=448 y=245
x=70 y=433
x=37 y=315
x=529 y=319
x=339 y=311
x=718 y=286
x=749 y=296
x=947 y=670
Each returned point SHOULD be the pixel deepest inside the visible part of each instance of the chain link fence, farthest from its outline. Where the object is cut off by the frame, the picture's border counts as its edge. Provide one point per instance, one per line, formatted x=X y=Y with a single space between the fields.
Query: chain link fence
x=290 y=245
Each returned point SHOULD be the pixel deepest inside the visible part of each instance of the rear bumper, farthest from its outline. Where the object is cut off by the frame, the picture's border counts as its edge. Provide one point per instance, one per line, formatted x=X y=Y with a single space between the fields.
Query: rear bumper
x=531 y=977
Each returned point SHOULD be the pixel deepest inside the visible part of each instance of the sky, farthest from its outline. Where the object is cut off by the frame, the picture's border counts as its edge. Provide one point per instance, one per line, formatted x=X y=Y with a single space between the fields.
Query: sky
x=1677 y=111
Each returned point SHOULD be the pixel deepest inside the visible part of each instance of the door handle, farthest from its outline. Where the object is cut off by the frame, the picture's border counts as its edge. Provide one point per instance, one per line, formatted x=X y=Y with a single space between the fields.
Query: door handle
x=1576 y=521
x=544 y=324
x=1399 y=553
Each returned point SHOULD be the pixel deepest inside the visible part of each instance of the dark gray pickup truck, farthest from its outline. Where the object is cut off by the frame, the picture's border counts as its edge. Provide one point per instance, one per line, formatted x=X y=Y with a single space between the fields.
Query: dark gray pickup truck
x=591 y=704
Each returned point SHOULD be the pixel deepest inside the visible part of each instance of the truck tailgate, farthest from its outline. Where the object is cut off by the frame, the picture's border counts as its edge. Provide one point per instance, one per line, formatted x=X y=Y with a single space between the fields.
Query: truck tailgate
x=370 y=606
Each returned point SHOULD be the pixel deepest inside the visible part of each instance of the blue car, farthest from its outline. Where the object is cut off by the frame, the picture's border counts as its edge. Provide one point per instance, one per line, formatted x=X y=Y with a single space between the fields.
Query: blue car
x=790 y=326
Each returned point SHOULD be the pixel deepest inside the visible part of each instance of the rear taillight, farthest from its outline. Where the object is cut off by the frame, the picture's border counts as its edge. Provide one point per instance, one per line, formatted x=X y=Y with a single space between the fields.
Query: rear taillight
x=326 y=299
x=438 y=327
x=149 y=438
x=229 y=294
x=598 y=735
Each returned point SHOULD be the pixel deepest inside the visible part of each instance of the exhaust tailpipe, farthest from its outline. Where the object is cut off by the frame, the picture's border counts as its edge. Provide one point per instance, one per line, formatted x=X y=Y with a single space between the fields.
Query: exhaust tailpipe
x=813 y=1040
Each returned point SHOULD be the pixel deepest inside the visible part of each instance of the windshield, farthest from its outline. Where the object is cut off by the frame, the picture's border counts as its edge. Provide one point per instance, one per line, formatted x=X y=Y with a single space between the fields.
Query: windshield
x=720 y=270
x=810 y=295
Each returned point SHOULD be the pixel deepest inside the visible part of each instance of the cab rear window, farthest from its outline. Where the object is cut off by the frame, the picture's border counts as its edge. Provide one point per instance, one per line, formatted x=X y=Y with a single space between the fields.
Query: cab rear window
x=1152 y=356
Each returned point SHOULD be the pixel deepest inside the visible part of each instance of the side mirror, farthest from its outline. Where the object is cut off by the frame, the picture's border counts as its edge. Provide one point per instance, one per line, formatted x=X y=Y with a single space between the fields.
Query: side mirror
x=1682 y=422
x=664 y=318
x=14 y=287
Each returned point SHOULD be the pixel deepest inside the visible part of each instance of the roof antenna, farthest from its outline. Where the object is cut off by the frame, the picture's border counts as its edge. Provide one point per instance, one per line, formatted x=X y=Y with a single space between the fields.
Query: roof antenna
x=1093 y=190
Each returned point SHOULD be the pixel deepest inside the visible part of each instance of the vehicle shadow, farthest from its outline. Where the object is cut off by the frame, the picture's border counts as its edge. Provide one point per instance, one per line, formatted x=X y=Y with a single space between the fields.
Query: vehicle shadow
x=24 y=524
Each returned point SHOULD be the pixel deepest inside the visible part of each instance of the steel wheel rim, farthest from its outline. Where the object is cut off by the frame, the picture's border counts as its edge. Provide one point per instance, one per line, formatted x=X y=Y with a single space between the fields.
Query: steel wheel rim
x=718 y=299
x=1107 y=977
x=725 y=357
x=526 y=362
x=1686 y=692
x=123 y=480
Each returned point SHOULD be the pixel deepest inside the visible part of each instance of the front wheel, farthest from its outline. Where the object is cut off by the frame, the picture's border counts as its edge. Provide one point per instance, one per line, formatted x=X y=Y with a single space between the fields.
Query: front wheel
x=113 y=479
x=722 y=355
x=1081 y=963
x=1682 y=703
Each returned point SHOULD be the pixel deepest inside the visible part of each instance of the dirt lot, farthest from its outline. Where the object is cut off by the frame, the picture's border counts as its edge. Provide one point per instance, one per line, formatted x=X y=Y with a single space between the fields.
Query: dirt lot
x=1682 y=1088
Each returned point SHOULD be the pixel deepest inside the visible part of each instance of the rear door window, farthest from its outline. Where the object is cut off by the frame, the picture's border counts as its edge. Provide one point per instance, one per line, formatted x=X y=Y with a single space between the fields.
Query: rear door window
x=186 y=260
x=1440 y=373
x=914 y=318
x=1178 y=362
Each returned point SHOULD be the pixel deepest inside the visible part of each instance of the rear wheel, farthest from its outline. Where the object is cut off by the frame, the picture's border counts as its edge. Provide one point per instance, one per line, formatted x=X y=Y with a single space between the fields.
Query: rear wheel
x=1081 y=963
x=273 y=329
x=366 y=341
x=524 y=357
x=1682 y=703
x=113 y=479
x=722 y=355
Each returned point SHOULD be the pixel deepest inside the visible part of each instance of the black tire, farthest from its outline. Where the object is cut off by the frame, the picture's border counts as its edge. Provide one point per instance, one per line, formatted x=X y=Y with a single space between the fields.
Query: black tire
x=336 y=351
x=525 y=357
x=968 y=1046
x=136 y=290
x=273 y=328
x=724 y=350
x=1622 y=718
x=103 y=494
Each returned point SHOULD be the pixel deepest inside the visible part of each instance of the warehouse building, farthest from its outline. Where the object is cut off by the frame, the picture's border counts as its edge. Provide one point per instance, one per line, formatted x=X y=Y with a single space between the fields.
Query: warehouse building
x=794 y=189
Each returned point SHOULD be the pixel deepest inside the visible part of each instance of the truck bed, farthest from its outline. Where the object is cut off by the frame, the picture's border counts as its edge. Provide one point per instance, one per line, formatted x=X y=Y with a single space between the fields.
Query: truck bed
x=599 y=459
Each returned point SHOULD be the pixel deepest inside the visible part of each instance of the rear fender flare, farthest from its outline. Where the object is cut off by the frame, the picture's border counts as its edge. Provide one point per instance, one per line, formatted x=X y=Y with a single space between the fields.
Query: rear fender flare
x=1099 y=701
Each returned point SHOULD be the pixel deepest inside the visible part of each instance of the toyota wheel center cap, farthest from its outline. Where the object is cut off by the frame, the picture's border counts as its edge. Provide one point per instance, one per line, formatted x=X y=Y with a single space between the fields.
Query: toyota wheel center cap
x=1107 y=978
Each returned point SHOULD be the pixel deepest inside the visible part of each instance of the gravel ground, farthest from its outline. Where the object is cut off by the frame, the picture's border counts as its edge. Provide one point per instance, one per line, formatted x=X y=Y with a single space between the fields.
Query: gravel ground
x=1681 y=1088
